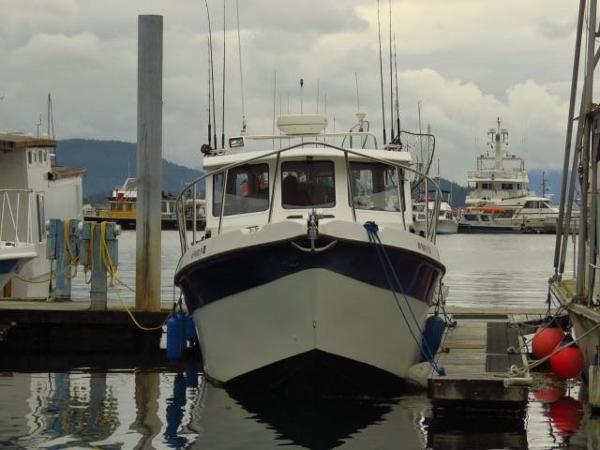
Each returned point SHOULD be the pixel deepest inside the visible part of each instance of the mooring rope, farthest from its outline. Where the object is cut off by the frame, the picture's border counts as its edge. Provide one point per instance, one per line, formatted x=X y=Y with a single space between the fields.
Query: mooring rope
x=396 y=286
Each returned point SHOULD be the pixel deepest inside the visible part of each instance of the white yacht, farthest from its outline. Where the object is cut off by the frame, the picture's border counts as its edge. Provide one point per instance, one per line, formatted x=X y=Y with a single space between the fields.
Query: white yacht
x=447 y=217
x=289 y=277
x=501 y=181
x=29 y=177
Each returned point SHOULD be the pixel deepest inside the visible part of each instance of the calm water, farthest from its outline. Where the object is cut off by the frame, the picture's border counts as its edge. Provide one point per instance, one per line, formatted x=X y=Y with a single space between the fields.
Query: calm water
x=175 y=408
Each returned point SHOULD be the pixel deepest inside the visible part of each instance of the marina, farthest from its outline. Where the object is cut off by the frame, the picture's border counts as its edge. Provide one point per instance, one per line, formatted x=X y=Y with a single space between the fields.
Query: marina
x=311 y=284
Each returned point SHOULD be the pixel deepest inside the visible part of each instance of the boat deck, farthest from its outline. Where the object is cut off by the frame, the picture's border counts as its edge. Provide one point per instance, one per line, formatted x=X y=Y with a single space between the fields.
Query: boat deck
x=478 y=355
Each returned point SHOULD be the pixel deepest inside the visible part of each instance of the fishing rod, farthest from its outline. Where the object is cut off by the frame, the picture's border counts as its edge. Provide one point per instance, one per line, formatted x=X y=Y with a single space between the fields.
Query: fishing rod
x=391 y=78
x=209 y=94
x=237 y=10
x=223 y=107
x=381 y=74
x=212 y=75
x=397 y=96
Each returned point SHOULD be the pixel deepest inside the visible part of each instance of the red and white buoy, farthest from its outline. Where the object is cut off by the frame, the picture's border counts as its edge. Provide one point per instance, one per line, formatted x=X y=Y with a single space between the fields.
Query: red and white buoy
x=545 y=341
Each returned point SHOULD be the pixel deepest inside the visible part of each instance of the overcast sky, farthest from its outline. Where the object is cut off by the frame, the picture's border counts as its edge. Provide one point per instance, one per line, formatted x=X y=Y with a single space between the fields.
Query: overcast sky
x=467 y=61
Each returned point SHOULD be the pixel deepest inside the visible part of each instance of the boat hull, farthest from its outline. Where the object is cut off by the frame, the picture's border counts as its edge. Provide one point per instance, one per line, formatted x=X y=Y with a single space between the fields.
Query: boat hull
x=7 y=267
x=310 y=310
x=470 y=228
x=12 y=259
x=259 y=306
x=445 y=226
x=590 y=342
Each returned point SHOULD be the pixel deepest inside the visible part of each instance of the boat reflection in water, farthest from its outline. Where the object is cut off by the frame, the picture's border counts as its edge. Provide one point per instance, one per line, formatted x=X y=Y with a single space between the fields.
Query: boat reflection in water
x=153 y=409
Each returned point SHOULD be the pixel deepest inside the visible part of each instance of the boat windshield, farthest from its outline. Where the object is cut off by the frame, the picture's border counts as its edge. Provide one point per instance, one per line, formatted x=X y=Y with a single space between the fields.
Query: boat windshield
x=247 y=190
x=375 y=186
x=307 y=184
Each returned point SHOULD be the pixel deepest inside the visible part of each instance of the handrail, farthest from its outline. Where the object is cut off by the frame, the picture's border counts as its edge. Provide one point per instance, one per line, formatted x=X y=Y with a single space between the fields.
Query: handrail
x=10 y=210
x=180 y=208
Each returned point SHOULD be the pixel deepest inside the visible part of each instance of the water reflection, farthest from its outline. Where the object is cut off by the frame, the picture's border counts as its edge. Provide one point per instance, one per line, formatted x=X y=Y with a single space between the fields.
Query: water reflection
x=460 y=429
x=156 y=409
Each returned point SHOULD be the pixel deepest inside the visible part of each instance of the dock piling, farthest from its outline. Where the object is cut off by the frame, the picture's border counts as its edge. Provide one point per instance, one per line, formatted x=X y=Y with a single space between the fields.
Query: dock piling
x=96 y=239
x=149 y=160
x=63 y=248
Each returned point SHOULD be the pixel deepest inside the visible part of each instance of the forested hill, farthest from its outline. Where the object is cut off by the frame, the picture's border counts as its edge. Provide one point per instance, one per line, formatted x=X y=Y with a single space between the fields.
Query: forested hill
x=108 y=163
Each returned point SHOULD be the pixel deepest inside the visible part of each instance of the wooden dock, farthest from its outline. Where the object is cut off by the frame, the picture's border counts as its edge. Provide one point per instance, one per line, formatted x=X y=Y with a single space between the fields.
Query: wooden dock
x=59 y=328
x=478 y=355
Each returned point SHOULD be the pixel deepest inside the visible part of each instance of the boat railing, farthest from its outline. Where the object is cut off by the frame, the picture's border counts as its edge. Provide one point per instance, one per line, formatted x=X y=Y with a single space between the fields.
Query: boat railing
x=16 y=221
x=191 y=189
x=492 y=174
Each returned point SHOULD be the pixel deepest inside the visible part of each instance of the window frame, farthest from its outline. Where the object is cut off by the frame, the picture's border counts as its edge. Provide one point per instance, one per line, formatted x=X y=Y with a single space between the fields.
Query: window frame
x=305 y=161
x=399 y=187
x=216 y=212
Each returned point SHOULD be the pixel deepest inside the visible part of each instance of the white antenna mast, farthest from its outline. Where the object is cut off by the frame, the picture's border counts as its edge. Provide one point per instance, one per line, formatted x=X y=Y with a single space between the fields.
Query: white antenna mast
x=37 y=126
x=50 y=118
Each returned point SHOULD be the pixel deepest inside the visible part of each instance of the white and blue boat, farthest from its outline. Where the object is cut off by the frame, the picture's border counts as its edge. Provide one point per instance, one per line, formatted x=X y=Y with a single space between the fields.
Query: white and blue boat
x=310 y=262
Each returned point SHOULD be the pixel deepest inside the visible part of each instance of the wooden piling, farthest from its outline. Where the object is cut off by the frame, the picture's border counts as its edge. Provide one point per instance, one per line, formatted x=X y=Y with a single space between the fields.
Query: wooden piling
x=149 y=160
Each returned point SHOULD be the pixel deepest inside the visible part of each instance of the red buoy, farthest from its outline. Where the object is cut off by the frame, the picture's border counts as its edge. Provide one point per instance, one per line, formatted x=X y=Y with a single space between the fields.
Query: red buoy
x=545 y=341
x=567 y=363
x=565 y=415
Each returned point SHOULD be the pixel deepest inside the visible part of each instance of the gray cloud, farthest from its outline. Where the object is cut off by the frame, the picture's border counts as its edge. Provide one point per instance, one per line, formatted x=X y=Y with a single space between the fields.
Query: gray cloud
x=468 y=61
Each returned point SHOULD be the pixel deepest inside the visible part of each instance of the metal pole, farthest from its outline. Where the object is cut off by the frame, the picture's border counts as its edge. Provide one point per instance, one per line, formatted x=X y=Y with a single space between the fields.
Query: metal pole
x=586 y=105
x=149 y=160
x=223 y=201
x=350 y=185
x=275 y=175
x=593 y=208
x=568 y=140
x=194 y=215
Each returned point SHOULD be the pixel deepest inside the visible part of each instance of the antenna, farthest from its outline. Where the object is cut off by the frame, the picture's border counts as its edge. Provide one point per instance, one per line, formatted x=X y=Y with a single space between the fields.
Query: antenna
x=391 y=80
x=212 y=74
x=301 y=96
x=357 y=96
x=38 y=124
x=397 y=96
x=224 y=79
x=237 y=11
x=381 y=74
x=420 y=130
x=209 y=93
x=274 y=101
x=50 y=129
x=325 y=103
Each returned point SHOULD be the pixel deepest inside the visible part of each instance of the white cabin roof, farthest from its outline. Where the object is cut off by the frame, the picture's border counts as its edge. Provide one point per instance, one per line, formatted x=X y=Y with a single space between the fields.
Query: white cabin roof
x=214 y=162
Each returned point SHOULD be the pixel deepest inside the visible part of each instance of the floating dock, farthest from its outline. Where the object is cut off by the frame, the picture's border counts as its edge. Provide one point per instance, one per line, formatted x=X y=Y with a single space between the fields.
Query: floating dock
x=480 y=356
x=41 y=328
x=477 y=354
